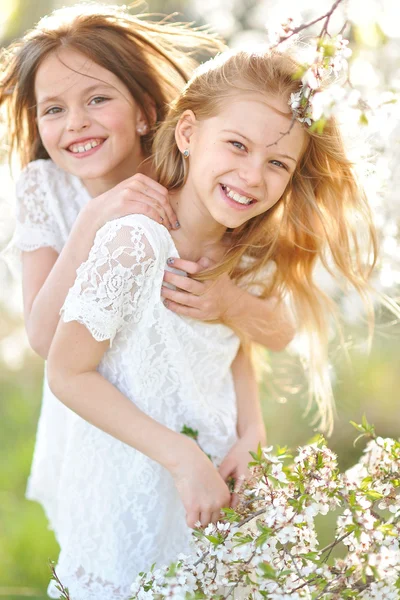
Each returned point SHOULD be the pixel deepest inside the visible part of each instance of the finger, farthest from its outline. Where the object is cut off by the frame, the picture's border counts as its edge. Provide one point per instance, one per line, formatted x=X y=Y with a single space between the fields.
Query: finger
x=180 y=297
x=234 y=500
x=164 y=201
x=152 y=210
x=216 y=516
x=146 y=180
x=184 y=311
x=192 y=518
x=227 y=468
x=150 y=188
x=146 y=193
x=205 y=518
x=185 y=265
x=185 y=283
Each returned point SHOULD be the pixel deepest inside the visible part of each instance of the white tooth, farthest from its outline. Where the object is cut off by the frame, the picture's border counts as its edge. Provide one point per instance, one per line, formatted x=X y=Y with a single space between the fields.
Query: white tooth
x=88 y=146
x=237 y=197
x=81 y=149
x=94 y=143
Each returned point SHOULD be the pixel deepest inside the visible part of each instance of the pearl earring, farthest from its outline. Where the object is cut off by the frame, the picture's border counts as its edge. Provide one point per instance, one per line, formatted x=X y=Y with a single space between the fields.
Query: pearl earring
x=142 y=129
x=186 y=153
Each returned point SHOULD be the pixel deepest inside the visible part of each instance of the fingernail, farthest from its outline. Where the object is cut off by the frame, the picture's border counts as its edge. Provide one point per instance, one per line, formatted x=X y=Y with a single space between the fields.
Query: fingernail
x=177 y=224
x=170 y=261
x=165 y=302
x=161 y=220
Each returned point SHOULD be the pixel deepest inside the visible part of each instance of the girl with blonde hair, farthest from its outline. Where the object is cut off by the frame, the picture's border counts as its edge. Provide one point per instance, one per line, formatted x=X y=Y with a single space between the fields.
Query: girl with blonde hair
x=246 y=195
x=82 y=94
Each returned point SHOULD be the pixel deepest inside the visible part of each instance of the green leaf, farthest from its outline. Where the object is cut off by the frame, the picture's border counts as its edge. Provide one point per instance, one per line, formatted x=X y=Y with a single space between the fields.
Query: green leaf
x=357 y=426
x=192 y=433
x=171 y=570
x=268 y=571
x=243 y=539
x=263 y=528
x=214 y=540
x=373 y=495
x=260 y=541
x=231 y=515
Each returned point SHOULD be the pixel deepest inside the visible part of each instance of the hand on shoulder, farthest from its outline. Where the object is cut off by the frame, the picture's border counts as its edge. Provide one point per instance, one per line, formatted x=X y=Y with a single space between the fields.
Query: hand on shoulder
x=138 y=194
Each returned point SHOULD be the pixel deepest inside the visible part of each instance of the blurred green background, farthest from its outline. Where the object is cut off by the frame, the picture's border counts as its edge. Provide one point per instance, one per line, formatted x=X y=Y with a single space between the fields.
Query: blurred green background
x=368 y=384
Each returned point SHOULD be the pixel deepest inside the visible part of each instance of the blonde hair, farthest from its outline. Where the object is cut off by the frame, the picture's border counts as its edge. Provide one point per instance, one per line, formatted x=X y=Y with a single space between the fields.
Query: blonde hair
x=323 y=214
x=154 y=60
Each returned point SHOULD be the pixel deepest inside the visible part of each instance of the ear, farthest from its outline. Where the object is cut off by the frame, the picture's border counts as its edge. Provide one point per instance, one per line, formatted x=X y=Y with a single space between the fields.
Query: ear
x=185 y=129
x=142 y=124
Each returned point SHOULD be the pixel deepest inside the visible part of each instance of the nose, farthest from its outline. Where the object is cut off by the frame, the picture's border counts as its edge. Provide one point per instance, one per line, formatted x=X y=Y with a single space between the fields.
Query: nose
x=78 y=119
x=252 y=172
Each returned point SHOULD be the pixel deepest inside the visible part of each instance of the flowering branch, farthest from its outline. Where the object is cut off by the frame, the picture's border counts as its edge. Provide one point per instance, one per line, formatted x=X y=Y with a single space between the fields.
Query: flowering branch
x=268 y=548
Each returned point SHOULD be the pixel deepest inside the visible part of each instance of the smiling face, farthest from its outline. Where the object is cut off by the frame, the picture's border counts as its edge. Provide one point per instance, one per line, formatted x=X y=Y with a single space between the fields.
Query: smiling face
x=240 y=163
x=87 y=120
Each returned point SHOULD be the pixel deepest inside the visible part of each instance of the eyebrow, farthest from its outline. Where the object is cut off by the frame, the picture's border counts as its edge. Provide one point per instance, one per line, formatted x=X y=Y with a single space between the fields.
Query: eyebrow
x=87 y=90
x=246 y=138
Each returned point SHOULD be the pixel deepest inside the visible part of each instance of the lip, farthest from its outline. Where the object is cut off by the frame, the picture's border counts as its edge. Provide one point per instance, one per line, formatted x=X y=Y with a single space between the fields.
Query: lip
x=87 y=152
x=231 y=202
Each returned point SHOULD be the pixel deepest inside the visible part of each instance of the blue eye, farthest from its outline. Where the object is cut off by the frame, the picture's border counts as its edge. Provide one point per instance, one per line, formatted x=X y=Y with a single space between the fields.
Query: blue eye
x=238 y=145
x=279 y=164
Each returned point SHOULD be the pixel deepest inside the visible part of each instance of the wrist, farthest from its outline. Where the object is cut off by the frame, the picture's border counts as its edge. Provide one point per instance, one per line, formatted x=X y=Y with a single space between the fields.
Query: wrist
x=234 y=306
x=255 y=433
x=90 y=217
x=179 y=446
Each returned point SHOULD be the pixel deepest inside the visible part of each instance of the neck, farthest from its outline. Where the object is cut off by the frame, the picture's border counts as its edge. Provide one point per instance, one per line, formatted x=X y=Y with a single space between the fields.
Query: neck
x=199 y=234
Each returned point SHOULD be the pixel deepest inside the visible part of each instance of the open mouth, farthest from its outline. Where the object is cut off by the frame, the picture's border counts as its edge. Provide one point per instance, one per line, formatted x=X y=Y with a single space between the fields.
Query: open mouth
x=86 y=146
x=236 y=197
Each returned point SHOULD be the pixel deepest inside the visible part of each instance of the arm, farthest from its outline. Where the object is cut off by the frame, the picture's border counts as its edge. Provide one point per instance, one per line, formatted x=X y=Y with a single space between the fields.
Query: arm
x=72 y=363
x=47 y=275
x=250 y=424
x=264 y=321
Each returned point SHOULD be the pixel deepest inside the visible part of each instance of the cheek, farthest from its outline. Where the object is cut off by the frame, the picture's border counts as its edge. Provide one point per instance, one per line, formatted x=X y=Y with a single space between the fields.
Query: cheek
x=120 y=120
x=278 y=183
x=49 y=133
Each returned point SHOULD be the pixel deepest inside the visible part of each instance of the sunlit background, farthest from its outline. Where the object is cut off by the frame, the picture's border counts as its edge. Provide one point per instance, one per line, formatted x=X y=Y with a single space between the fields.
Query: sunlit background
x=364 y=383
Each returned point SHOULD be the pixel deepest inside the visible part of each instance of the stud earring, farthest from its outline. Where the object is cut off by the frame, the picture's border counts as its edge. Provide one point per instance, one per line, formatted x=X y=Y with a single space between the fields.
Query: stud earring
x=186 y=153
x=142 y=129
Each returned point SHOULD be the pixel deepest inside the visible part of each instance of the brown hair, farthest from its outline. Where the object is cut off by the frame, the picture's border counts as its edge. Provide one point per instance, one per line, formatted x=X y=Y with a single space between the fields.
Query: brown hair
x=151 y=59
x=323 y=215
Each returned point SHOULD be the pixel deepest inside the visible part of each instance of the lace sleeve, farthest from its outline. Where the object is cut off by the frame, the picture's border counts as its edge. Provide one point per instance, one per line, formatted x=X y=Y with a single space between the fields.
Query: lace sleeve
x=36 y=225
x=112 y=285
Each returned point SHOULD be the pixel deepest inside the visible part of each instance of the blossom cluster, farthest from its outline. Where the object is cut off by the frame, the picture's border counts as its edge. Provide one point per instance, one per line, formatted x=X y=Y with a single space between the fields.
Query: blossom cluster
x=312 y=104
x=268 y=546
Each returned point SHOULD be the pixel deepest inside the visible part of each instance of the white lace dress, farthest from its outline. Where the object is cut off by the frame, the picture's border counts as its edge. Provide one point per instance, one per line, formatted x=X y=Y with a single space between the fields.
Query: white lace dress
x=116 y=512
x=48 y=203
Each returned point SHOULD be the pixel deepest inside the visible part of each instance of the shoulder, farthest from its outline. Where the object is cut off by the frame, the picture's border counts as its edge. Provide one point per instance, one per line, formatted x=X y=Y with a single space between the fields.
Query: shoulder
x=136 y=232
x=39 y=168
x=38 y=174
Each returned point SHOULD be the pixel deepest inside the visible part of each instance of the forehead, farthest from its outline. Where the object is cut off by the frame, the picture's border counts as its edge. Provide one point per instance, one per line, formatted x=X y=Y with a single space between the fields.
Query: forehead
x=67 y=70
x=263 y=119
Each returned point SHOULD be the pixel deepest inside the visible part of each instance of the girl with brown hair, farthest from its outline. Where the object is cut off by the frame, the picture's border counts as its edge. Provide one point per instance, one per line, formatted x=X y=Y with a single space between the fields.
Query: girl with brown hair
x=245 y=195
x=83 y=92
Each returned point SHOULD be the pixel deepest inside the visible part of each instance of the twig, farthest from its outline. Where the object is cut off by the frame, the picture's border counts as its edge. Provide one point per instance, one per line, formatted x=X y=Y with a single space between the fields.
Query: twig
x=296 y=30
x=62 y=589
